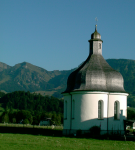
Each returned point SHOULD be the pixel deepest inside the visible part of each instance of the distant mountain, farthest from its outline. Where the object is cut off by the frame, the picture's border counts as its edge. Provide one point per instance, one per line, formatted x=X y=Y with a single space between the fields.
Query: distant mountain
x=27 y=77
x=127 y=68
x=4 y=66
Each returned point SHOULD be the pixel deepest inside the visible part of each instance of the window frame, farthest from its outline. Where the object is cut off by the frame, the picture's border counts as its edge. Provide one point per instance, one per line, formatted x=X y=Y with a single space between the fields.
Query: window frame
x=116 y=110
x=99 y=45
x=100 y=109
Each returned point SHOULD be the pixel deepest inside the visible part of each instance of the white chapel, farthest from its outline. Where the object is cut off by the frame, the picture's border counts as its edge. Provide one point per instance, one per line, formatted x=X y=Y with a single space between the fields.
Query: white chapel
x=95 y=94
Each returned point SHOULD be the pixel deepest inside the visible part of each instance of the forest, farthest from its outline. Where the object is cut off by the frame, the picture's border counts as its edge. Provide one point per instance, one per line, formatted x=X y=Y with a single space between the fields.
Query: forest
x=30 y=107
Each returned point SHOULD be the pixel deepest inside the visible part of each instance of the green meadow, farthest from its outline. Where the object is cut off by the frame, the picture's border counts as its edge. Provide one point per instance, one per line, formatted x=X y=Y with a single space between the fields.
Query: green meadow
x=38 y=142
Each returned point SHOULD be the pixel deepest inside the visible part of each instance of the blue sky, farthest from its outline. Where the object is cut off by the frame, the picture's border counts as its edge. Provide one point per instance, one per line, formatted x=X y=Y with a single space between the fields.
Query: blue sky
x=54 y=34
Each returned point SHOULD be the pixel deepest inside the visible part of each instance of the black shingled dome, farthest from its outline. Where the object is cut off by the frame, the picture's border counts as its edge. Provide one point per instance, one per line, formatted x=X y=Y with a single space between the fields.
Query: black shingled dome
x=95 y=74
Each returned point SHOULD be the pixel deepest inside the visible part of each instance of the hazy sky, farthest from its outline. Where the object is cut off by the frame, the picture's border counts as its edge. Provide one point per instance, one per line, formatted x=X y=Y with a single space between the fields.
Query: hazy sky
x=54 y=34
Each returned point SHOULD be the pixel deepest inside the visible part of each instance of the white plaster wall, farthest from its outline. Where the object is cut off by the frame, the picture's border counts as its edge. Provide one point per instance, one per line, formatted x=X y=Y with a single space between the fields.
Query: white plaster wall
x=112 y=123
x=86 y=110
x=66 y=121
x=96 y=49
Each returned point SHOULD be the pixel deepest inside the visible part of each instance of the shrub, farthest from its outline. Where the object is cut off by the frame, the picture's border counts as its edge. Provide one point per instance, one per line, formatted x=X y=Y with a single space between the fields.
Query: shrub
x=79 y=132
x=95 y=130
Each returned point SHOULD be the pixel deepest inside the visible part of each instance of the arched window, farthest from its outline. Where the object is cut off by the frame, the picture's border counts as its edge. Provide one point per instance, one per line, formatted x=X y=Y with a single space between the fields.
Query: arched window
x=100 y=109
x=116 y=110
x=65 y=110
x=99 y=45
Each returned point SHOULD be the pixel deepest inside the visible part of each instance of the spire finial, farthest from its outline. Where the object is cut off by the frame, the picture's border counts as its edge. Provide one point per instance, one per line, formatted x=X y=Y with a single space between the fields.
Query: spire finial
x=96 y=27
x=96 y=19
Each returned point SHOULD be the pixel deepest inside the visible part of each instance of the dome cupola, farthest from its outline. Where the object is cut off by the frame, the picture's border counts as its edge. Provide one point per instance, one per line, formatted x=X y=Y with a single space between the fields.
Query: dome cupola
x=95 y=35
x=95 y=74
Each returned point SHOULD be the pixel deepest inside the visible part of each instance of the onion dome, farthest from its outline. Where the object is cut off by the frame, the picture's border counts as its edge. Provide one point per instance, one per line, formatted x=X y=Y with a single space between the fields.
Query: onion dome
x=95 y=74
x=95 y=35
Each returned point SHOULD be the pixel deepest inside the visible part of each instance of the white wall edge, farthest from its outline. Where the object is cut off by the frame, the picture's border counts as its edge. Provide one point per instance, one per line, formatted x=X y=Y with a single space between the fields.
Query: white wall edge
x=125 y=94
x=86 y=92
x=94 y=92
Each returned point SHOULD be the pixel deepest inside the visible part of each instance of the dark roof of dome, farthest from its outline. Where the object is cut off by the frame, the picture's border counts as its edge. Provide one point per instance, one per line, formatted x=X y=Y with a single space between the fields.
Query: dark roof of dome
x=95 y=74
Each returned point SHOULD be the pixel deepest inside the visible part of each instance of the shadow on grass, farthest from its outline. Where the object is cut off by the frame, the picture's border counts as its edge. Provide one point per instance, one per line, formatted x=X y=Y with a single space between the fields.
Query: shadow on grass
x=33 y=131
x=58 y=133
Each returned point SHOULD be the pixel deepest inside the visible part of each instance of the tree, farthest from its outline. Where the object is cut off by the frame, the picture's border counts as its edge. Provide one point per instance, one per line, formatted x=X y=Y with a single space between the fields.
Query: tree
x=14 y=120
x=130 y=114
x=26 y=121
x=35 y=121
x=24 y=114
x=5 y=118
x=58 y=119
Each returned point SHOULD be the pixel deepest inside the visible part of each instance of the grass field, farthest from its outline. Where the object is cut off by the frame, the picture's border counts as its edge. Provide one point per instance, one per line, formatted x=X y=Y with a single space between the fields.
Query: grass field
x=38 y=142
